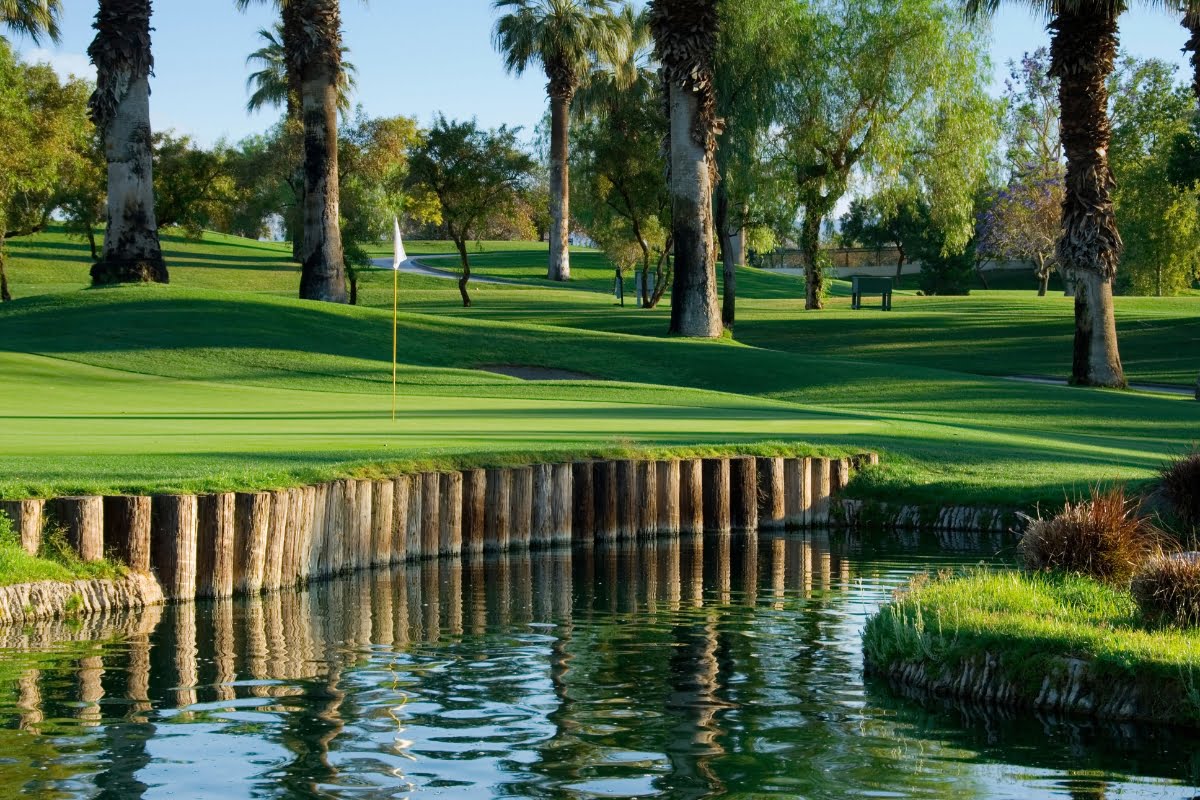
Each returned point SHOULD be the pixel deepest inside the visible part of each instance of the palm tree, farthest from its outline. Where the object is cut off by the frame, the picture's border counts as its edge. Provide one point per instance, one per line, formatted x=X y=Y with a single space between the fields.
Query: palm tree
x=312 y=41
x=1191 y=23
x=32 y=17
x=685 y=38
x=563 y=35
x=270 y=85
x=120 y=109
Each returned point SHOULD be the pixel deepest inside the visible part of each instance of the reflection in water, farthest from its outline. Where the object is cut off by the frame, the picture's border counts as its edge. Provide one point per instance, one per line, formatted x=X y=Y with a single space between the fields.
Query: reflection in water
x=693 y=667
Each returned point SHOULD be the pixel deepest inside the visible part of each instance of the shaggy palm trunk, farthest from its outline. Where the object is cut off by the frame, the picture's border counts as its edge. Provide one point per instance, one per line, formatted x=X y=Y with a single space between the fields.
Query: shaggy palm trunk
x=729 y=260
x=1083 y=50
x=1191 y=21
x=560 y=187
x=323 y=271
x=120 y=108
x=694 y=310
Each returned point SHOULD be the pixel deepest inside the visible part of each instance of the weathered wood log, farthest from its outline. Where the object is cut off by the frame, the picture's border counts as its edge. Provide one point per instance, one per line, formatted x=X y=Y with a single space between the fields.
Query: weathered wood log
x=667 y=491
x=627 y=500
x=416 y=508
x=691 y=496
x=26 y=516
x=798 y=491
x=520 y=515
x=400 y=499
x=450 y=494
x=497 y=508
x=252 y=520
x=173 y=532
x=541 y=532
x=716 y=495
x=772 y=495
x=277 y=531
x=383 y=507
x=215 y=549
x=474 y=510
x=300 y=528
x=82 y=521
x=839 y=476
x=743 y=494
x=431 y=508
x=127 y=531
x=561 y=498
x=364 y=510
x=604 y=486
x=822 y=472
x=334 y=528
x=318 y=544
x=583 y=501
x=647 y=498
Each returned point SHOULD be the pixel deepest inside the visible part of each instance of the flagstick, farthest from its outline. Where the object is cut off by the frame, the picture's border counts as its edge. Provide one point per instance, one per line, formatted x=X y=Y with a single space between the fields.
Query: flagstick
x=395 y=324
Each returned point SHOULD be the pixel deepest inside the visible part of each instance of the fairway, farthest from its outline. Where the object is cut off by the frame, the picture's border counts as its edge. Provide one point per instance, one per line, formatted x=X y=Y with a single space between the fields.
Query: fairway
x=222 y=380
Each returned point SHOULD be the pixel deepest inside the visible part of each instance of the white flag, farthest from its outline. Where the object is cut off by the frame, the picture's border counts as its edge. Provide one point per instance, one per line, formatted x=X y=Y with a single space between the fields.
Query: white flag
x=400 y=256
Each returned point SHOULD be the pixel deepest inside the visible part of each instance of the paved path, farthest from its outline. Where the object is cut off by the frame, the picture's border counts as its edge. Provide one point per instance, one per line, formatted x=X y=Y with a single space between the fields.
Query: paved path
x=1157 y=388
x=414 y=267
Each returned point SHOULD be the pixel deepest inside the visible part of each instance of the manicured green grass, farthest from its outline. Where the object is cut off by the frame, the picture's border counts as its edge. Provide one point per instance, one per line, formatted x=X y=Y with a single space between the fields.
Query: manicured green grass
x=1031 y=621
x=224 y=380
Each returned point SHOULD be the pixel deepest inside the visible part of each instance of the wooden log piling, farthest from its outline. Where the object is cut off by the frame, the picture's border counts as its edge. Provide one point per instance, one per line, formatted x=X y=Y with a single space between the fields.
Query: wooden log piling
x=82 y=521
x=127 y=531
x=173 y=532
x=604 y=486
x=822 y=472
x=26 y=516
x=450 y=514
x=798 y=491
x=474 y=511
x=215 y=549
x=772 y=499
x=400 y=499
x=431 y=508
x=691 y=496
x=562 y=500
x=647 y=498
x=416 y=510
x=583 y=501
x=541 y=533
x=252 y=520
x=498 y=506
x=383 y=507
x=667 y=491
x=716 y=494
x=520 y=515
x=743 y=494
x=277 y=531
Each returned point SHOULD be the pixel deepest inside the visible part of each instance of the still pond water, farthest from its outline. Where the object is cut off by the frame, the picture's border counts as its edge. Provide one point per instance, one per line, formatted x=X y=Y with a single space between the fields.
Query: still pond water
x=719 y=667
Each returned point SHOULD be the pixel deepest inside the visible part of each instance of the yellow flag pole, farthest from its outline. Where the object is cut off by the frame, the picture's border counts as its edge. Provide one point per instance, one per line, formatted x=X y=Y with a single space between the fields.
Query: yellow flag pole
x=395 y=327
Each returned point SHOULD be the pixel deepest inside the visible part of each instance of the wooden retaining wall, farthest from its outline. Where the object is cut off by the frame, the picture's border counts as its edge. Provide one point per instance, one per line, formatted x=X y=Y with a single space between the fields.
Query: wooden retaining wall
x=251 y=543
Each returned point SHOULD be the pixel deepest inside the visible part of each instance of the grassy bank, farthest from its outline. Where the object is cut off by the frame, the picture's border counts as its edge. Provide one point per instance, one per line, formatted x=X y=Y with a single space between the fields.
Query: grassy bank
x=1034 y=623
x=223 y=380
x=55 y=562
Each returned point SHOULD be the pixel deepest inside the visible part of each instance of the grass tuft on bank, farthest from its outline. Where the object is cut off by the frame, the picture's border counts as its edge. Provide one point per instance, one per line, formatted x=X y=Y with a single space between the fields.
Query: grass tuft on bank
x=56 y=561
x=1032 y=622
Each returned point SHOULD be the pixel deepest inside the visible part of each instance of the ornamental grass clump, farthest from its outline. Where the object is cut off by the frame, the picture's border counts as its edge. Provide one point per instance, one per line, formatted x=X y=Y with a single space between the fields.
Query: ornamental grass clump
x=1179 y=483
x=1167 y=590
x=1101 y=537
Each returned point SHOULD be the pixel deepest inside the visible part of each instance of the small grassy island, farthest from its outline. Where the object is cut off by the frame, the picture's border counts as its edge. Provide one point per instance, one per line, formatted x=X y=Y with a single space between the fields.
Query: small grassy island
x=1102 y=619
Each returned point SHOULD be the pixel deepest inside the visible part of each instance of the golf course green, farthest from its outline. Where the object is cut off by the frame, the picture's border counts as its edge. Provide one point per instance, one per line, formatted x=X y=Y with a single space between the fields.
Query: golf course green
x=222 y=380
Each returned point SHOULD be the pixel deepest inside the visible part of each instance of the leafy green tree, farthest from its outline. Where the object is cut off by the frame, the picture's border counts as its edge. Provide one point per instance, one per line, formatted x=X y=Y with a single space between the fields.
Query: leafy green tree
x=44 y=128
x=894 y=90
x=195 y=188
x=33 y=18
x=879 y=222
x=685 y=43
x=1160 y=221
x=473 y=175
x=563 y=36
x=120 y=108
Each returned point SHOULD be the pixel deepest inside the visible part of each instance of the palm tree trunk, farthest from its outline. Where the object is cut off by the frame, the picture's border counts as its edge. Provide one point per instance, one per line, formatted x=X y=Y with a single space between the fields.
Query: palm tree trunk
x=1083 y=50
x=728 y=260
x=694 y=310
x=323 y=271
x=1191 y=21
x=560 y=187
x=120 y=108
x=810 y=245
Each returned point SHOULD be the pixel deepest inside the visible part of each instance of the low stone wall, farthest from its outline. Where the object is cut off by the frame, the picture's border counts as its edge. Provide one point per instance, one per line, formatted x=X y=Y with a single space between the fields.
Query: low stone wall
x=248 y=543
x=27 y=602
x=1073 y=688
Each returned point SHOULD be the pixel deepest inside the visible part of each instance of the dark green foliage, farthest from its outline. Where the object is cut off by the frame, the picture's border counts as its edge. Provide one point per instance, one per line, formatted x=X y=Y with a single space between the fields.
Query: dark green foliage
x=1101 y=537
x=1180 y=484
x=1167 y=590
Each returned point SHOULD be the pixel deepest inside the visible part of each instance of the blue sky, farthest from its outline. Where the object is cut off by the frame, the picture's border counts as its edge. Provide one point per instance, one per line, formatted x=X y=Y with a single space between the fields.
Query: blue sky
x=414 y=57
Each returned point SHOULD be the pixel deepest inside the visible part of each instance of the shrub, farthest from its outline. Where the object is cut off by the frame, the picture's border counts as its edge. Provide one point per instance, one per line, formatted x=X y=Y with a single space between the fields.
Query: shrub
x=1101 y=537
x=1167 y=590
x=1180 y=483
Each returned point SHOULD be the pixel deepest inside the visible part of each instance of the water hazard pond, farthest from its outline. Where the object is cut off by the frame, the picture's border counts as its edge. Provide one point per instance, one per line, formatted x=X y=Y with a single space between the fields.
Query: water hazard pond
x=699 y=668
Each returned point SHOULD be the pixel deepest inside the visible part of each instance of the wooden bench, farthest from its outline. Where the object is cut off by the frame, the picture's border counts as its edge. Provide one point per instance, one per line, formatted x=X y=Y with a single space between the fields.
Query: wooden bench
x=879 y=286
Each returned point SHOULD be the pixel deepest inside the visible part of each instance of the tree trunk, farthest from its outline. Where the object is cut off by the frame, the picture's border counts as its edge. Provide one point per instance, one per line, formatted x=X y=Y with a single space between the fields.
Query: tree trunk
x=461 y=244
x=90 y=230
x=694 y=310
x=1191 y=22
x=560 y=187
x=323 y=271
x=353 y=279
x=728 y=260
x=120 y=108
x=900 y=267
x=810 y=244
x=1083 y=50
x=1044 y=287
